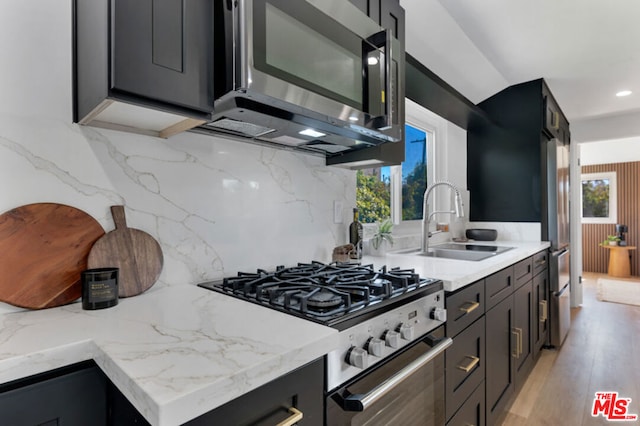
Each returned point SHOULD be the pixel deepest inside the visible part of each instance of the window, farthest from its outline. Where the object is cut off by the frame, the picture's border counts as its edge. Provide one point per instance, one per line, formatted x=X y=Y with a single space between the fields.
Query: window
x=599 y=200
x=397 y=191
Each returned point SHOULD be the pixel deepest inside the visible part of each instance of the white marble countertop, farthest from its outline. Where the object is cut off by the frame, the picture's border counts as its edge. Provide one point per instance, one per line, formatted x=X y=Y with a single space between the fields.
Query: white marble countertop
x=180 y=351
x=456 y=274
x=175 y=353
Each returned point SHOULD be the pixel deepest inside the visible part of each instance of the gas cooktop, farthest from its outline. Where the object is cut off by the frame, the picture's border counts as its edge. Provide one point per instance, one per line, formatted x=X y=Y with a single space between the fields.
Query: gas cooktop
x=335 y=294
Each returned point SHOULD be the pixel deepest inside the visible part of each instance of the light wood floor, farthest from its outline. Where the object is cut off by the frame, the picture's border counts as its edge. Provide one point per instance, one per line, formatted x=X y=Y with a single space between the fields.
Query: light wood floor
x=601 y=353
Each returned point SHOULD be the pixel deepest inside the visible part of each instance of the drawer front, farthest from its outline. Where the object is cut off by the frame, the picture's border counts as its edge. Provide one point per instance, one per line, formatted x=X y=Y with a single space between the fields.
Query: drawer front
x=465 y=366
x=464 y=307
x=540 y=262
x=498 y=286
x=472 y=411
x=523 y=271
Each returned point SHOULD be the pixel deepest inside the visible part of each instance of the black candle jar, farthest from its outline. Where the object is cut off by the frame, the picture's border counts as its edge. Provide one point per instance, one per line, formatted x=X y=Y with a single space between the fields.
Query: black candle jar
x=99 y=288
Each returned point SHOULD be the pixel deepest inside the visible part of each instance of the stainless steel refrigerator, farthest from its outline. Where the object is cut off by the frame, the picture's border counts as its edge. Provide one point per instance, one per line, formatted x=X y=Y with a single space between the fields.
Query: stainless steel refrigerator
x=557 y=227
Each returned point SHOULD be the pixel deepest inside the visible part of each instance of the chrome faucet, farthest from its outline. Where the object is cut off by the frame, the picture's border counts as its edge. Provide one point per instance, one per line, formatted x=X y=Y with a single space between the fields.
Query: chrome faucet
x=426 y=216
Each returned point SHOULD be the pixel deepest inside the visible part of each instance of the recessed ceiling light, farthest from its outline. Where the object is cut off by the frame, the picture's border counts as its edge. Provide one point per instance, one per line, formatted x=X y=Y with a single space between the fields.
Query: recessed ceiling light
x=623 y=93
x=312 y=133
x=372 y=60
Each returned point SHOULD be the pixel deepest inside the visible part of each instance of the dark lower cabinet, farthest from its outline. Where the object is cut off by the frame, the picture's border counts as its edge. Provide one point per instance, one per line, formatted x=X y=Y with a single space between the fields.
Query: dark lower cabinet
x=523 y=328
x=70 y=396
x=302 y=389
x=541 y=311
x=500 y=344
x=472 y=411
x=464 y=366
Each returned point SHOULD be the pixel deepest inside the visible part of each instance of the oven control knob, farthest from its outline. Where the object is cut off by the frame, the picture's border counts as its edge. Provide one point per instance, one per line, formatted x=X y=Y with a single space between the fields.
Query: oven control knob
x=375 y=346
x=357 y=357
x=439 y=314
x=392 y=338
x=406 y=331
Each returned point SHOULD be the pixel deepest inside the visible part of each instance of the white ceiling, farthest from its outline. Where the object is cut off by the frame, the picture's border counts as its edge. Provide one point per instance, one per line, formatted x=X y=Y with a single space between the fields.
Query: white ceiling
x=586 y=50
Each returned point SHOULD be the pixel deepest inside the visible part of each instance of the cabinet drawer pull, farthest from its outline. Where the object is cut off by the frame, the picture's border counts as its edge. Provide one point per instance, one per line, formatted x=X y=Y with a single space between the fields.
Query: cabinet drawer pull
x=469 y=307
x=517 y=332
x=541 y=262
x=295 y=417
x=555 y=120
x=474 y=361
x=544 y=313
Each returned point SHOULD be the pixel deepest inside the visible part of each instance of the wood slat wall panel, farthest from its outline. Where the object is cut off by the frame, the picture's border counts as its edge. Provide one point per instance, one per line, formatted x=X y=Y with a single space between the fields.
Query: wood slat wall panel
x=595 y=258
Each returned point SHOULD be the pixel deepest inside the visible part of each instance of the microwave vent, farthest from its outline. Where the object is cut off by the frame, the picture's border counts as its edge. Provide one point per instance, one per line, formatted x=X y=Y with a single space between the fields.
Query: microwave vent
x=242 y=127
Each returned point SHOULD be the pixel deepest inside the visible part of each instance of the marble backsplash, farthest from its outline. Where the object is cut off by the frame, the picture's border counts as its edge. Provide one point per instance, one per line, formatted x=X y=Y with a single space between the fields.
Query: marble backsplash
x=216 y=205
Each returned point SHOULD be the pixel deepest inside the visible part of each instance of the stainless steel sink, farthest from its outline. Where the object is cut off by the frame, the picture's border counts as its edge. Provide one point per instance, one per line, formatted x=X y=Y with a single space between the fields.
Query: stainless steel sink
x=458 y=251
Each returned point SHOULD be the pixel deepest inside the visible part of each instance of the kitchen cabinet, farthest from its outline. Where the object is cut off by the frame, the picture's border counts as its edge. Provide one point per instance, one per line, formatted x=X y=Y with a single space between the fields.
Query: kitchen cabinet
x=506 y=166
x=299 y=391
x=71 y=396
x=523 y=328
x=143 y=66
x=472 y=411
x=540 y=299
x=500 y=344
x=390 y=15
x=511 y=327
x=464 y=366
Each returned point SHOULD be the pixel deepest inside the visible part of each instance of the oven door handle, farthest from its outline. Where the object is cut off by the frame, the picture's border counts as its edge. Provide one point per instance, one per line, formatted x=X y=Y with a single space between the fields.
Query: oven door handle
x=361 y=402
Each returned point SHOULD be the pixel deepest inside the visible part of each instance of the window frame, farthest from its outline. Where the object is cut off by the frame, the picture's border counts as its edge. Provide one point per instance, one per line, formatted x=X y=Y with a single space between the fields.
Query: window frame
x=613 y=197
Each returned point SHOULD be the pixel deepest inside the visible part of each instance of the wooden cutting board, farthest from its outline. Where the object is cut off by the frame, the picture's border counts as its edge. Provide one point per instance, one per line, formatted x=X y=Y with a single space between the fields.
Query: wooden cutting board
x=136 y=253
x=43 y=250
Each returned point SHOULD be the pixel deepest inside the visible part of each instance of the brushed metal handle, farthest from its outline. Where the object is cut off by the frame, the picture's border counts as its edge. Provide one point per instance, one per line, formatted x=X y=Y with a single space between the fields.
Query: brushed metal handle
x=514 y=354
x=474 y=361
x=469 y=307
x=544 y=312
x=555 y=120
x=519 y=346
x=295 y=417
x=359 y=402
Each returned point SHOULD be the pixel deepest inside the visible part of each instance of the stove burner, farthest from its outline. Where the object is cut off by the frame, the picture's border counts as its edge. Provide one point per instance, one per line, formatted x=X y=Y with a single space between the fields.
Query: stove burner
x=326 y=293
x=323 y=298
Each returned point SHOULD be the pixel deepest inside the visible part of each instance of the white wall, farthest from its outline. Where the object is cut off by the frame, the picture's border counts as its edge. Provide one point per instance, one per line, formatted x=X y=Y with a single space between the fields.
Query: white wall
x=216 y=206
x=610 y=151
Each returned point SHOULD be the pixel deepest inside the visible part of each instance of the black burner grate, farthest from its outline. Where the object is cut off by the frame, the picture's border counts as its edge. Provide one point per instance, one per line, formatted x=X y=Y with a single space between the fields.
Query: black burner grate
x=319 y=291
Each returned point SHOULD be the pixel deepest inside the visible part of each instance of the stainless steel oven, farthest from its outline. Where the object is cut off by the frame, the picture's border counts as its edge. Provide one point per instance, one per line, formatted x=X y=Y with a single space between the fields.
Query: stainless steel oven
x=407 y=389
x=307 y=73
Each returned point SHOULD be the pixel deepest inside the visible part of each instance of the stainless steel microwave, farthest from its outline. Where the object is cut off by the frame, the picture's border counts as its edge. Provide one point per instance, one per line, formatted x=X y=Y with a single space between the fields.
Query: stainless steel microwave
x=316 y=75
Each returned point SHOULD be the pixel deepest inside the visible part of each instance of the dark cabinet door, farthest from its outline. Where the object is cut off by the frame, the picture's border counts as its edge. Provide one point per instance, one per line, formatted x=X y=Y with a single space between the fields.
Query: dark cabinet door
x=73 y=396
x=500 y=347
x=464 y=307
x=472 y=411
x=370 y=7
x=464 y=366
x=498 y=286
x=523 y=326
x=541 y=313
x=163 y=50
x=392 y=17
x=302 y=389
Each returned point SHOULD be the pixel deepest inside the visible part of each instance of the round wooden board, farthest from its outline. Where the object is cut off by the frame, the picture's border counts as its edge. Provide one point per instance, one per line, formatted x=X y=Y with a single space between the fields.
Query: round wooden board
x=43 y=250
x=136 y=253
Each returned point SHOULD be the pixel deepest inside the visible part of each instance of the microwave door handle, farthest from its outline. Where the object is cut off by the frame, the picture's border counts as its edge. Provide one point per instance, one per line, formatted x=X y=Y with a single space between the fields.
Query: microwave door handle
x=382 y=40
x=360 y=402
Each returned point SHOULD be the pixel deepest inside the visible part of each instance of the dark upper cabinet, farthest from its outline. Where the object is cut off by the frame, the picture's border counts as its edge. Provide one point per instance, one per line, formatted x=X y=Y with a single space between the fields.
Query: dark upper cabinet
x=506 y=163
x=143 y=66
x=388 y=14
